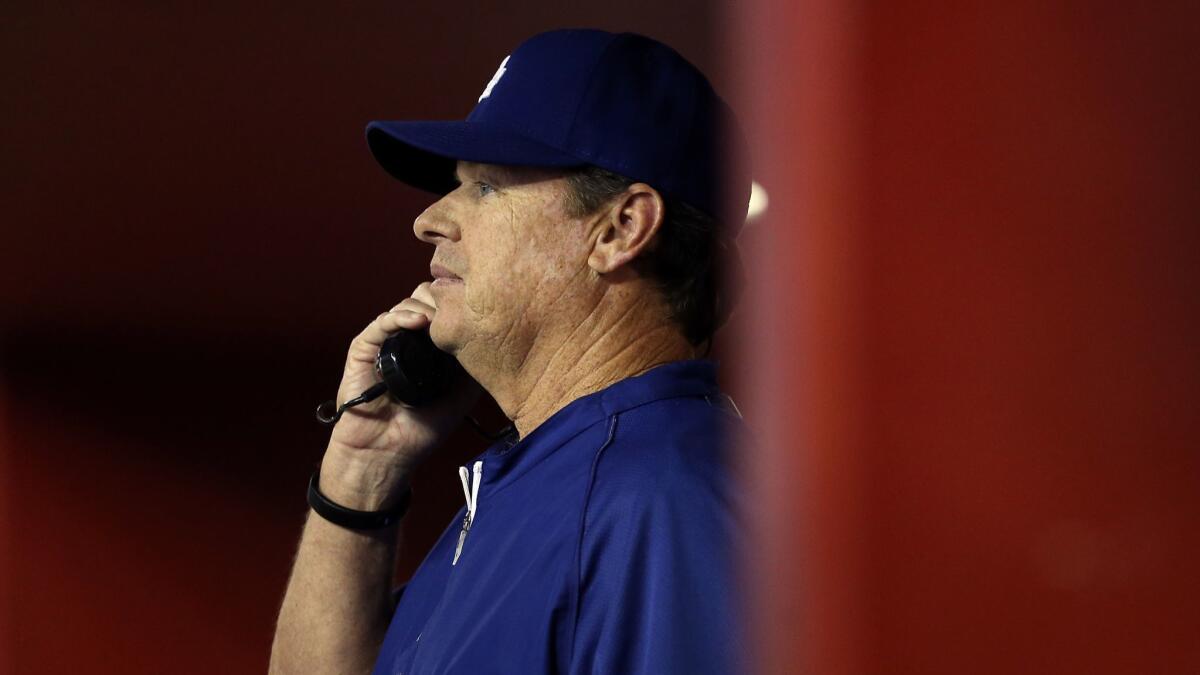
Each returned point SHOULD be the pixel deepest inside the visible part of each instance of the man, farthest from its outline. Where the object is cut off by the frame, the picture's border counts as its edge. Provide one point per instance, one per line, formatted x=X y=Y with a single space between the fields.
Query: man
x=575 y=280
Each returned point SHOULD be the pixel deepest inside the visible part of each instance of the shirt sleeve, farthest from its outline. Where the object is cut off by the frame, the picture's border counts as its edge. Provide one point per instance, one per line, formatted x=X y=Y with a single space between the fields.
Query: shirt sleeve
x=657 y=587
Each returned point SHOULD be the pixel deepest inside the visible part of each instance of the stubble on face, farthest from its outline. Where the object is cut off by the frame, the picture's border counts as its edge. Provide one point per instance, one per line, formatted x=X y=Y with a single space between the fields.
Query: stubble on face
x=524 y=262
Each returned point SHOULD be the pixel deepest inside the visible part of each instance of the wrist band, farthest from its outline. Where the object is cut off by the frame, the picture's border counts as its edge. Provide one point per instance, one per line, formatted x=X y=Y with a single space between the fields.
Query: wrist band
x=350 y=518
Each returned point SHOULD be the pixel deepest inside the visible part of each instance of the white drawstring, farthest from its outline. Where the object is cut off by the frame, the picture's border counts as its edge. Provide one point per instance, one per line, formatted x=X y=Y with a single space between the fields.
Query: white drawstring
x=471 y=492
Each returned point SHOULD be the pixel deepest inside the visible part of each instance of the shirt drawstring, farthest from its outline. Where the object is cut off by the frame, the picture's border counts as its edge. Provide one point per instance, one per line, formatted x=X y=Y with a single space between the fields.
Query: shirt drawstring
x=471 y=492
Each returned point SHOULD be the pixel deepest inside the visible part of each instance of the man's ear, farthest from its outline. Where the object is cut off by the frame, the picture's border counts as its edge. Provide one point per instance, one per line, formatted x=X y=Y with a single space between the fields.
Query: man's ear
x=627 y=228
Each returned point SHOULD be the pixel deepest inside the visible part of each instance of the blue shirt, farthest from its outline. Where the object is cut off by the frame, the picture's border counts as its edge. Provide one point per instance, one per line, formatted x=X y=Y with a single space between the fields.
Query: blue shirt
x=602 y=542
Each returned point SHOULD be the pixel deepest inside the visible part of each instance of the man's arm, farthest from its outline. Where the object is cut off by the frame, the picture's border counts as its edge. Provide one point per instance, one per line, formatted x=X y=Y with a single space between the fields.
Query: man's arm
x=339 y=599
x=338 y=602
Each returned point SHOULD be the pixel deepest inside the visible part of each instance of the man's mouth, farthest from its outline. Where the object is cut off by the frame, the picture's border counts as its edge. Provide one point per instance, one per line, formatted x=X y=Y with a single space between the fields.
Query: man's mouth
x=443 y=276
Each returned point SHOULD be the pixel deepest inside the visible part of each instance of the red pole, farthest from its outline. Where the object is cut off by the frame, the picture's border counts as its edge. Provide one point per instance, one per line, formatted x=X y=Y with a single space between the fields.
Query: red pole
x=972 y=328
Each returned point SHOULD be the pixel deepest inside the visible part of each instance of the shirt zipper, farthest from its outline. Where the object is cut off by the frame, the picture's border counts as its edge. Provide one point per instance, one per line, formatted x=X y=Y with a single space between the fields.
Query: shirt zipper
x=471 y=492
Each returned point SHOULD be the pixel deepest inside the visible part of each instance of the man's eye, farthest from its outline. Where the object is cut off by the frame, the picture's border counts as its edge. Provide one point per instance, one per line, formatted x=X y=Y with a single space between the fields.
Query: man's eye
x=484 y=188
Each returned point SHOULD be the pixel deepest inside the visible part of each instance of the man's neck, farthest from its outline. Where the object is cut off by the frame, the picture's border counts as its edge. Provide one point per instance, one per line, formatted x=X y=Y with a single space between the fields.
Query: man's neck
x=574 y=361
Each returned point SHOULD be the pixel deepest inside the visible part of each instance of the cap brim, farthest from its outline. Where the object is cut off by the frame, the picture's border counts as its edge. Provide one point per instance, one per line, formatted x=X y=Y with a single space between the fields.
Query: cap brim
x=423 y=154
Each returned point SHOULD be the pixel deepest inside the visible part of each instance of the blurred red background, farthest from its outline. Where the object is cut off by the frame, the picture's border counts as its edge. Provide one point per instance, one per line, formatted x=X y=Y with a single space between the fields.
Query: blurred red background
x=976 y=330
x=194 y=230
x=968 y=342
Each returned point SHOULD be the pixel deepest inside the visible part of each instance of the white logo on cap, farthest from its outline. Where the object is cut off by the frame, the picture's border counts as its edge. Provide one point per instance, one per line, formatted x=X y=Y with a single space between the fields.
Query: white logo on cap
x=487 y=91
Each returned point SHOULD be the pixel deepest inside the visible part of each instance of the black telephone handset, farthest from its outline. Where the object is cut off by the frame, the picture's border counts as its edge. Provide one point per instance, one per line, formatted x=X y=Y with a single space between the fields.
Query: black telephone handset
x=414 y=370
x=410 y=368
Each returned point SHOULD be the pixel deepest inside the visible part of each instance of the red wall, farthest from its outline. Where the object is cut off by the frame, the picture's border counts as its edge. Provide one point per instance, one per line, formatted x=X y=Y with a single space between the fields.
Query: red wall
x=975 y=309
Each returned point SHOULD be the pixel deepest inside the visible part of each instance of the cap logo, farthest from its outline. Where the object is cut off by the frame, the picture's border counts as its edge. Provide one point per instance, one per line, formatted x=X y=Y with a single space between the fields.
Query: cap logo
x=487 y=91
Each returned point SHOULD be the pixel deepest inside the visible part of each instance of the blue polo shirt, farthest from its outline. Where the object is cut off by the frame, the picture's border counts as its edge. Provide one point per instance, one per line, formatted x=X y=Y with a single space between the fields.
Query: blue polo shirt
x=602 y=542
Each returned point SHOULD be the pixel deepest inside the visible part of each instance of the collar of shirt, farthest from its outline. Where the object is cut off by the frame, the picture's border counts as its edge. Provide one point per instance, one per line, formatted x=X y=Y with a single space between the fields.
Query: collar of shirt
x=508 y=458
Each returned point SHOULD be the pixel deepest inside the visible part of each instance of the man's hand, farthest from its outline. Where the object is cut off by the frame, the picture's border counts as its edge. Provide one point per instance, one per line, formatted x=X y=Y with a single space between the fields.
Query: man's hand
x=375 y=446
x=339 y=602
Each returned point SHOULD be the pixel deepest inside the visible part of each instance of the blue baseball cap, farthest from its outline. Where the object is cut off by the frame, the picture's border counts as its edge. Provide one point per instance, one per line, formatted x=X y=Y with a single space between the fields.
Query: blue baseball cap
x=570 y=98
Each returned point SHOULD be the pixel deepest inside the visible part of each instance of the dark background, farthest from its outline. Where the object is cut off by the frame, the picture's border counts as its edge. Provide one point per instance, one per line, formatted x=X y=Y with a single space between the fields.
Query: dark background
x=193 y=232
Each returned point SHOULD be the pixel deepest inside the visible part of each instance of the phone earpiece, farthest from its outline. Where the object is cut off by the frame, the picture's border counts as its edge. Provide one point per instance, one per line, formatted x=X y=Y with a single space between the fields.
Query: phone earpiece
x=413 y=368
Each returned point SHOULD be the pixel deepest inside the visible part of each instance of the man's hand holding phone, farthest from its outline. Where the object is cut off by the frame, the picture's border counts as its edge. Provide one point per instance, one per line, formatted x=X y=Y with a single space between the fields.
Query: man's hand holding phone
x=375 y=446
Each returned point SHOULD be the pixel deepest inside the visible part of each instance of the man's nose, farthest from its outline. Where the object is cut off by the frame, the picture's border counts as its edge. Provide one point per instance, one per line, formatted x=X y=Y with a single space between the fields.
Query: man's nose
x=436 y=224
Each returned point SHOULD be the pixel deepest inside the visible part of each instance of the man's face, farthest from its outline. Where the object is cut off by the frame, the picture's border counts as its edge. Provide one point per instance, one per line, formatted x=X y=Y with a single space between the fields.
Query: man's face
x=519 y=259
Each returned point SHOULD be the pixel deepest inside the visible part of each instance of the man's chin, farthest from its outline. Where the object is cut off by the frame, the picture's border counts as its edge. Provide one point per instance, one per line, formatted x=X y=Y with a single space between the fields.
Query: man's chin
x=444 y=335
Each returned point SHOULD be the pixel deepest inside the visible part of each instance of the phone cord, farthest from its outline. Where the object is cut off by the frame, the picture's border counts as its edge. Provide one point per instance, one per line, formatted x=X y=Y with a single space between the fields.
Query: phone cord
x=326 y=413
x=329 y=412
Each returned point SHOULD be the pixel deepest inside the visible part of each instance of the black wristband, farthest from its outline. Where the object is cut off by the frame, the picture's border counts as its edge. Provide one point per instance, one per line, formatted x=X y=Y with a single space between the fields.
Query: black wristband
x=349 y=518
